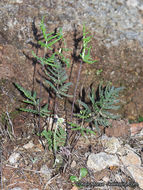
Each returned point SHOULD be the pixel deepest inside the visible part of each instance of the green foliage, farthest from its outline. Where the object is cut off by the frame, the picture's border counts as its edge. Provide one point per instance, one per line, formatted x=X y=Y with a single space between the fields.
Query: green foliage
x=59 y=138
x=48 y=136
x=50 y=40
x=81 y=129
x=57 y=79
x=98 y=112
x=62 y=57
x=85 y=54
x=54 y=66
x=55 y=138
x=83 y=173
x=99 y=71
x=55 y=71
x=74 y=179
x=140 y=119
x=33 y=101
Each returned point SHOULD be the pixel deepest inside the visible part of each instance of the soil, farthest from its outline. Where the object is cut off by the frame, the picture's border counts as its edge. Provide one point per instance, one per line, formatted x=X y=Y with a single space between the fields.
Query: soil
x=121 y=66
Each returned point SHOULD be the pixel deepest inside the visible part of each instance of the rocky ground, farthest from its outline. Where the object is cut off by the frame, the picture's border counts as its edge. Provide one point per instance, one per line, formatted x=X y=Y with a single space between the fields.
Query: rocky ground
x=115 y=160
x=117 y=43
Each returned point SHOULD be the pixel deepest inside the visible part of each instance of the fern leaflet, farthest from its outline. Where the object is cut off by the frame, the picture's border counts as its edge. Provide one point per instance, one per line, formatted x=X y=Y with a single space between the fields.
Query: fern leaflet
x=57 y=79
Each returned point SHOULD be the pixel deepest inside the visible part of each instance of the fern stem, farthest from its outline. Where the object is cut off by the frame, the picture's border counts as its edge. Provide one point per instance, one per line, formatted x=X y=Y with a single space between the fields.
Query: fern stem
x=54 y=142
x=75 y=90
x=40 y=96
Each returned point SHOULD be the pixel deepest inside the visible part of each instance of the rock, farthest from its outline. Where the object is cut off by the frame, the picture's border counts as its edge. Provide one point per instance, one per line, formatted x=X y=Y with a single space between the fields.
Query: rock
x=132 y=3
x=118 y=178
x=136 y=128
x=120 y=2
x=73 y=164
x=111 y=145
x=106 y=179
x=141 y=9
x=16 y=1
x=133 y=164
x=28 y=145
x=129 y=157
x=140 y=134
x=46 y=172
x=100 y=161
x=137 y=174
x=14 y=158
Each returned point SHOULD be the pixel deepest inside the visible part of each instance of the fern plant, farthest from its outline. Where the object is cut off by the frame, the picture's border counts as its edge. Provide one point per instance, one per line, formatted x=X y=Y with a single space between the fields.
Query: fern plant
x=56 y=77
x=54 y=66
x=99 y=112
x=32 y=100
x=85 y=58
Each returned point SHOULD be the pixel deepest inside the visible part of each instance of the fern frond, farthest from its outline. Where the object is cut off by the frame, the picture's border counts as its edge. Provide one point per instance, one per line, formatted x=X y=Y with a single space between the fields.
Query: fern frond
x=64 y=94
x=29 y=110
x=27 y=93
x=81 y=129
x=59 y=138
x=99 y=111
x=57 y=79
x=54 y=79
x=34 y=101
x=85 y=54
x=85 y=106
x=44 y=112
x=29 y=102
x=44 y=61
x=64 y=87
x=49 y=137
x=52 y=86
x=50 y=38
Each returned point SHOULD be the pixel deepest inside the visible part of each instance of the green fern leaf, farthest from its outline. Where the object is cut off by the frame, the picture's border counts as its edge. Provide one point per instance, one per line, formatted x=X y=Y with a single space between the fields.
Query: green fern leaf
x=44 y=112
x=32 y=100
x=52 y=86
x=49 y=136
x=64 y=94
x=29 y=110
x=65 y=87
x=85 y=106
x=57 y=79
x=50 y=38
x=44 y=61
x=29 y=102
x=51 y=77
x=82 y=130
x=59 y=138
x=27 y=93
x=100 y=111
